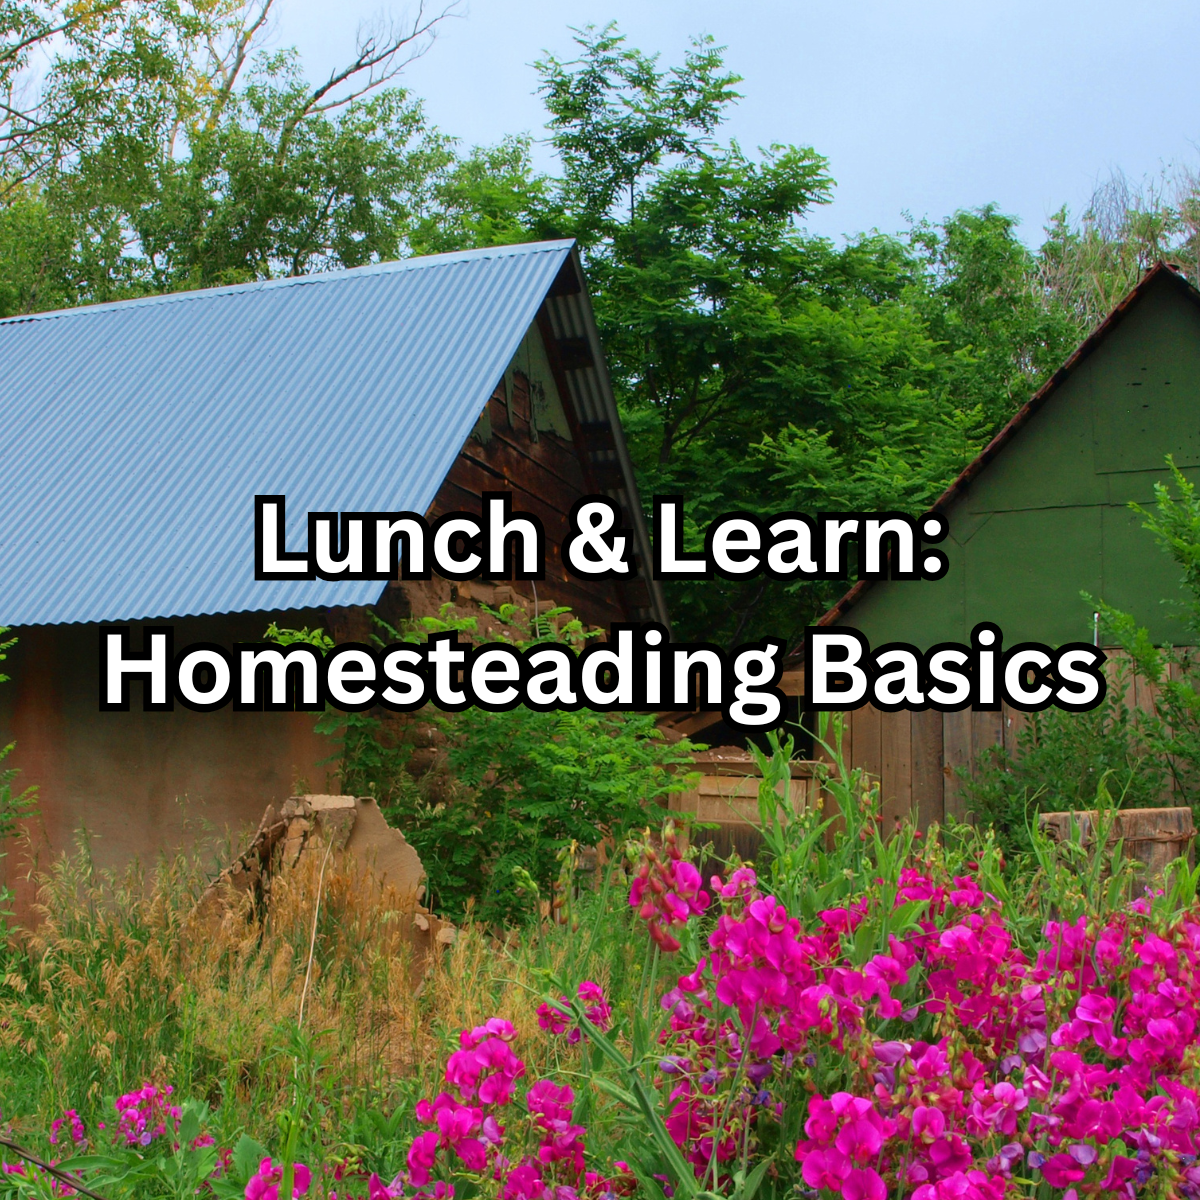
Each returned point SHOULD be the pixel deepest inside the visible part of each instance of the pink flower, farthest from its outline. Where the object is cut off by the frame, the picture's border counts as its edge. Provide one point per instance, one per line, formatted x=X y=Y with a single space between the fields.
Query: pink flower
x=524 y=1182
x=949 y=1155
x=822 y=1120
x=824 y=1168
x=552 y=1019
x=861 y=1137
x=441 y=1191
x=928 y=1124
x=666 y=892
x=265 y=1183
x=1061 y=1170
x=71 y=1118
x=597 y=1010
x=378 y=1190
x=422 y=1154
x=492 y=1027
x=145 y=1115
x=484 y=1068
x=863 y=1185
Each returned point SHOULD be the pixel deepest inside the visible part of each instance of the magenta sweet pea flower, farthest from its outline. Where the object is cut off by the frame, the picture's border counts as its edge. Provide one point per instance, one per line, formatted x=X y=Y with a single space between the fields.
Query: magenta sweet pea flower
x=378 y=1190
x=823 y=1168
x=928 y=1124
x=1061 y=1170
x=422 y=1155
x=265 y=1183
x=863 y=1184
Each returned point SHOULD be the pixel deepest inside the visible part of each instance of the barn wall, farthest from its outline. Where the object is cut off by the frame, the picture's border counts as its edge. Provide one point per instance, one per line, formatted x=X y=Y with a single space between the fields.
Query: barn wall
x=1049 y=516
x=1046 y=519
x=142 y=784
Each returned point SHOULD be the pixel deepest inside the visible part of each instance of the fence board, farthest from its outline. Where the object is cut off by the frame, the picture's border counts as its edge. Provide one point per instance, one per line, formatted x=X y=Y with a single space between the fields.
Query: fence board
x=868 y=743
x=987 y=729
x=1146 y=693
x=928 y=782
x=956 y=734
x=848 y=740
x=896 y=744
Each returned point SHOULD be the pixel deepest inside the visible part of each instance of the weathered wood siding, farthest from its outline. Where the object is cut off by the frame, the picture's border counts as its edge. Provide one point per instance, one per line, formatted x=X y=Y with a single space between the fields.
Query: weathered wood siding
x=547 y=472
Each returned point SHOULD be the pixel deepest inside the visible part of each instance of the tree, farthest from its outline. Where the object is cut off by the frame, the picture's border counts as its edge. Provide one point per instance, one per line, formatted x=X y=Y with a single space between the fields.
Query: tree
x=189 y=158
x=615 y=118
x=1001 y=333
x=757 y=368
x=491 y=196
x=110 y=66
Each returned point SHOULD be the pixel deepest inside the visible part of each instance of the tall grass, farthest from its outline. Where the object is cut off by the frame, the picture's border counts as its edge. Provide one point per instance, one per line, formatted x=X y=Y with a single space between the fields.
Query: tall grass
x=123 y=983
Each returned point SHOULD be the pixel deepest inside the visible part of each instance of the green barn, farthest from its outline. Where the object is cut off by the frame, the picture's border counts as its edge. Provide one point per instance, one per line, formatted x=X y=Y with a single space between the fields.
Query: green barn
x=1039 y=517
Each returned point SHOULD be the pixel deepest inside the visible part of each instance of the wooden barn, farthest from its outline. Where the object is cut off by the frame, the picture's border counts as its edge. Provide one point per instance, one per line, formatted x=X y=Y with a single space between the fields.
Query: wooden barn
x=1041 y=516
x=137 y=435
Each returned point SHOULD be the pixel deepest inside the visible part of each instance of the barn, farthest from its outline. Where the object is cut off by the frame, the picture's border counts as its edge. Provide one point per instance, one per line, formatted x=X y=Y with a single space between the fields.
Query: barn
x=137 y=434
x=1040 y=517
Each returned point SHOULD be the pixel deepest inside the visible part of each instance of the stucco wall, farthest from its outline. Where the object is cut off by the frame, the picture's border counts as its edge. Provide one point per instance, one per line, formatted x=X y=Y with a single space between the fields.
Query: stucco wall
x=139 y=782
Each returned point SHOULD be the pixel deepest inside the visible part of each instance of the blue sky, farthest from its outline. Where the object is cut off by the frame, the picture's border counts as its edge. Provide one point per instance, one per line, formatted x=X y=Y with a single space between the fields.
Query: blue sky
x=925 y=106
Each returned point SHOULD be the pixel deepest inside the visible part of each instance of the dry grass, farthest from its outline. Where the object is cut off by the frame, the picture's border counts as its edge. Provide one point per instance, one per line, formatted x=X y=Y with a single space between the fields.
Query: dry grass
x=121 y=983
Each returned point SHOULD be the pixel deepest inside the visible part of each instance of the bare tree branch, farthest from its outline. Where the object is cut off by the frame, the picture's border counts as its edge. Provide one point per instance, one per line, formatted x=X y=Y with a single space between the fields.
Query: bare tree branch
x=382 y=53
x=228 y=66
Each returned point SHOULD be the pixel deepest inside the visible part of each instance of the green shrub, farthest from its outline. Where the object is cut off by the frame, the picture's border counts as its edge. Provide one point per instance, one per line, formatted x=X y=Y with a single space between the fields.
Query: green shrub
x=1058 y=764
x=514 y=789
x=1172 y=730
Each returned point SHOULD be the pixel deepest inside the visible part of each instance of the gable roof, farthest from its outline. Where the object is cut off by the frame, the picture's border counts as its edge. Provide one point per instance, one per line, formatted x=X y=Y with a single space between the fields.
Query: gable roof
x=1160 y=271
x=136 y=434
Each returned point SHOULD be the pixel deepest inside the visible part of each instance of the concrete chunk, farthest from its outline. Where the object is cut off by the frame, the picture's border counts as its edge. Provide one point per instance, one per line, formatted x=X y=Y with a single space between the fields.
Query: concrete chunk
x=385 y=850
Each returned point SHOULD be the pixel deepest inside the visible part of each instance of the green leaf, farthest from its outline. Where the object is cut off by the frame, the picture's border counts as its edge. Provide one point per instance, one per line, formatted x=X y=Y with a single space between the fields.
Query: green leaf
x=614 y=1090
x=748 y=1190
x=247 y=1154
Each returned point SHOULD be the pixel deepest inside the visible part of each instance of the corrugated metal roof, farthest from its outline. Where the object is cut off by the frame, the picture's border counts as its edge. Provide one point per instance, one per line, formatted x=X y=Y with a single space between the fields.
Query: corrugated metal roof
x=135 y=435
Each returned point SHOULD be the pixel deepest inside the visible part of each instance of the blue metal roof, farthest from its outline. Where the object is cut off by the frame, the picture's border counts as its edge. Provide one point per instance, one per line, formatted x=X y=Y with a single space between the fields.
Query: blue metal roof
x=134 y=436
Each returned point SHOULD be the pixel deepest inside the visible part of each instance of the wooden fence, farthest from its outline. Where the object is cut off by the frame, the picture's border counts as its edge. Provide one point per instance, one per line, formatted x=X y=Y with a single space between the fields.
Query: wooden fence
x=727 y=796
x=916 y=756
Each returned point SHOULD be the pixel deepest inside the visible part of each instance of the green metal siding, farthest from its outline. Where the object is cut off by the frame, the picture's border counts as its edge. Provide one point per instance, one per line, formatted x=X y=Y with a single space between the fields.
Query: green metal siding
x=1048 y=518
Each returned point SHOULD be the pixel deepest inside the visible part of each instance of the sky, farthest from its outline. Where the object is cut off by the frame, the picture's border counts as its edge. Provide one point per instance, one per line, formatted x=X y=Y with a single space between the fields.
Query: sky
x=922 y=107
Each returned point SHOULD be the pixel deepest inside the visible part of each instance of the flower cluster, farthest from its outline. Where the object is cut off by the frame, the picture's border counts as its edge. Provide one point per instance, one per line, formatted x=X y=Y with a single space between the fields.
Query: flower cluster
x=902 y=1044
x=73 y=1120
x=666 y=891
x=538 y=1155
x=596 y=1008
x=1079 y=1069
x=145 y=1115
x=43 y=1183
x=264 y=1184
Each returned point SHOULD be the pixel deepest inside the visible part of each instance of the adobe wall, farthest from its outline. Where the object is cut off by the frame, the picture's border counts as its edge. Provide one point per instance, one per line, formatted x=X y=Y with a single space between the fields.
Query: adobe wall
x=142 y=783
